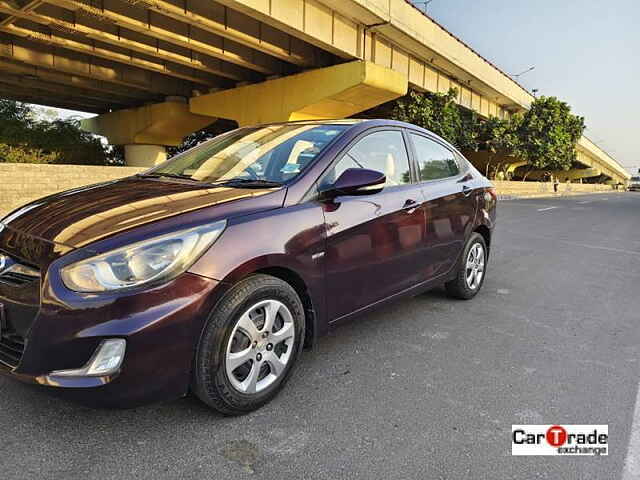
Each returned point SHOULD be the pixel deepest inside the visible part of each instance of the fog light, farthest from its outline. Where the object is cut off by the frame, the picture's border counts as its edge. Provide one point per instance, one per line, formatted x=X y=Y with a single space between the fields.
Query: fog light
x=105 y=361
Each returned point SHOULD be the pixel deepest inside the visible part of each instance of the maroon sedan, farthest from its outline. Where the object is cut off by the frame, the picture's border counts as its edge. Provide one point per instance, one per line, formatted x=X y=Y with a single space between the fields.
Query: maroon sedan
x=211 y=271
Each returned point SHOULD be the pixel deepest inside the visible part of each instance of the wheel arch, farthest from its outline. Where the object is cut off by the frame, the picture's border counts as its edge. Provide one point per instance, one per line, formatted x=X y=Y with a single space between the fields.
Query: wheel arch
x=486 y=234
x=296 y=281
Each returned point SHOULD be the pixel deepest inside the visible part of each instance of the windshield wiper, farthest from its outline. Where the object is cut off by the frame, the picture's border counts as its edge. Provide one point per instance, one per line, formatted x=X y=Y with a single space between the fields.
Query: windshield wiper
x=168 y=175
x=232 y=182
x=249 y=183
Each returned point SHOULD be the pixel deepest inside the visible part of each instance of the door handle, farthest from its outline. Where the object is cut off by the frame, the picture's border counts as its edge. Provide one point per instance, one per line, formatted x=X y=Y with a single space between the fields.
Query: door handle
x=466 y=191
x=410 y=206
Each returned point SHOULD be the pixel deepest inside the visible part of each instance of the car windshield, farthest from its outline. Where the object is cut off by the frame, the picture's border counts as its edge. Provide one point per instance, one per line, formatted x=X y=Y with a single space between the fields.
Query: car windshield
x=273 y=154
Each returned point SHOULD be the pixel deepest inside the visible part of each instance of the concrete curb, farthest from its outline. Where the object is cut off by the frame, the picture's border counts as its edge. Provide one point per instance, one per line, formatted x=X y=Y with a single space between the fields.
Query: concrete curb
x=550 y=195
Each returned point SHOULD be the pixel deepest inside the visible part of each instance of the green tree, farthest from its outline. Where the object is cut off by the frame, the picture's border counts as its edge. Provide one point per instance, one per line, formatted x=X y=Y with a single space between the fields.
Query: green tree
x=9 y=154
x=546 y=135
x=439 y=113
x=28 y=139
x=16 y=122
x=497 y=137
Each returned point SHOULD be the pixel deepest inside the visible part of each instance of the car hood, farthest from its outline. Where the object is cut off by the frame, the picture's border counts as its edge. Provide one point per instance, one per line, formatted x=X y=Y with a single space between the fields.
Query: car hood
x=78 y=217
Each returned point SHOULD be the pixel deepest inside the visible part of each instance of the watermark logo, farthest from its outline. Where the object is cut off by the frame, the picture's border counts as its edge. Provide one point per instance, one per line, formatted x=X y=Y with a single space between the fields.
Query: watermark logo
x=559 y=439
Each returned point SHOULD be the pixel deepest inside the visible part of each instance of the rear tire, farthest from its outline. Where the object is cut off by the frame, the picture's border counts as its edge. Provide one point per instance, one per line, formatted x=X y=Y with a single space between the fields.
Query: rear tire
x=471 y=271
x=249 y=346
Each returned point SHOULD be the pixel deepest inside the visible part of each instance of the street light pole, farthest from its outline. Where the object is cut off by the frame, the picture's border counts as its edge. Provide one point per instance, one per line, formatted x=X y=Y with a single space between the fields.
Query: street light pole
x=516 y=75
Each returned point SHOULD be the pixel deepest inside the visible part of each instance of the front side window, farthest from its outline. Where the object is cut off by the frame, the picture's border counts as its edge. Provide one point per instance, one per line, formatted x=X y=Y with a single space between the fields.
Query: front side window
x=383 y=151
x=434 y=160
x=275 y=153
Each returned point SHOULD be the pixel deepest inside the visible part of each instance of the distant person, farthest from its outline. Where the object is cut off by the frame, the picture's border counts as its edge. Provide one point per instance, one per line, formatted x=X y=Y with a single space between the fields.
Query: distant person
x=555 y=184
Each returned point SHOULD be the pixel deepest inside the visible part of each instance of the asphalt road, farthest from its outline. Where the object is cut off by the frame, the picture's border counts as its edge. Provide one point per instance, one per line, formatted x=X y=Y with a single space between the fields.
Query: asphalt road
x=427 y=388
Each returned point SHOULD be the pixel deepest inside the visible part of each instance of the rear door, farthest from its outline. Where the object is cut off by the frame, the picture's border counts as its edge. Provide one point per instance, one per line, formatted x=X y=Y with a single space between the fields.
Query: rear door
x=375 y=242
x=450 y=207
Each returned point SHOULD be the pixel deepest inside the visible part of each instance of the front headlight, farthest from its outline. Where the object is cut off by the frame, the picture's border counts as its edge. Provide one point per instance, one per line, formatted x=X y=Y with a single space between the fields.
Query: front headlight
x=160 y=258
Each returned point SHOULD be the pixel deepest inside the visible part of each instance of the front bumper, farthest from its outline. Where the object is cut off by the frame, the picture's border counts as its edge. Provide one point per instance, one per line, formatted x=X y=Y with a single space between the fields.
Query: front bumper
x=161 y=326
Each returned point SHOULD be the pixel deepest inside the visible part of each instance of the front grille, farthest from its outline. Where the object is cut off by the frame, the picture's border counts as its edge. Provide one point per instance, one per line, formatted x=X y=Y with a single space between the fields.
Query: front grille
x=19 y=305
x=16 y=274
x=15 y=279
x=11 y=349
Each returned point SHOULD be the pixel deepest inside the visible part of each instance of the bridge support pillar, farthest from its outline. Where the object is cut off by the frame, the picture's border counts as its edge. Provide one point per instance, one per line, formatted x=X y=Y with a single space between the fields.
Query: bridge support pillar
x=578 y=173
x=144 y=155
x=147 y=130
x=513 y=166
x=333 y=92
x=564 y=175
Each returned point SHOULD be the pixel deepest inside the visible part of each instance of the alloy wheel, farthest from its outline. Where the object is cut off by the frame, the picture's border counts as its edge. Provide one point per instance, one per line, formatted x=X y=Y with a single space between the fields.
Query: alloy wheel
x=475 y=266
x=260 y=346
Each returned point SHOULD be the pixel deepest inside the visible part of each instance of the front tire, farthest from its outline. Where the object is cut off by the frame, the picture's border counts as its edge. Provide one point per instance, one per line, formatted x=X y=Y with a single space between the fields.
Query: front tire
x=471 y=270
x=249 y=346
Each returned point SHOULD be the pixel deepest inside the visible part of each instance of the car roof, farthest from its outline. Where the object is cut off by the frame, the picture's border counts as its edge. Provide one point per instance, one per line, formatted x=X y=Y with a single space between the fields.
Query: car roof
x=370 y=122
x=363 y=124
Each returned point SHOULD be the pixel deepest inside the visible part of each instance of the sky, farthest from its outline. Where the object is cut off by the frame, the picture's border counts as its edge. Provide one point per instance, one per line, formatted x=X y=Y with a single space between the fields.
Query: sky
x=64 y=113
x=585 y=52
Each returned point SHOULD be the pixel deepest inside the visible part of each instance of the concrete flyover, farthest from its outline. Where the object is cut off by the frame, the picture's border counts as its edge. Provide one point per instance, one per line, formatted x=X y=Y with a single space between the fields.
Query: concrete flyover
x=246 y=60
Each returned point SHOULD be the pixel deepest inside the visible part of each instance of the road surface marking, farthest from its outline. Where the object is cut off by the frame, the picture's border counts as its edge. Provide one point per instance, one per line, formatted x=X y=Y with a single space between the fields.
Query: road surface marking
x=545 y=209
x=582 y=203
x=632 y=460
x=577 y=244
x=522 y=204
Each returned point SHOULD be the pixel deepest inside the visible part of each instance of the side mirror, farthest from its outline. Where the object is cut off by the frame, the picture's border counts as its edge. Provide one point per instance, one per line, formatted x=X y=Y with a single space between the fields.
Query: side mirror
x=357 y=181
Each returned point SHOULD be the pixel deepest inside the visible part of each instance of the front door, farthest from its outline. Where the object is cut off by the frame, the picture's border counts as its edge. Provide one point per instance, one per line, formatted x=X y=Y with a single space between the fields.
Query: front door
x=375 y=242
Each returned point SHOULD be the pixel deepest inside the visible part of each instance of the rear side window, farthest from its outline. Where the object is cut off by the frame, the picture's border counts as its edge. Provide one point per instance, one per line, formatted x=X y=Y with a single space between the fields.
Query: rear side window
x=383 y=151
x=434 y=161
